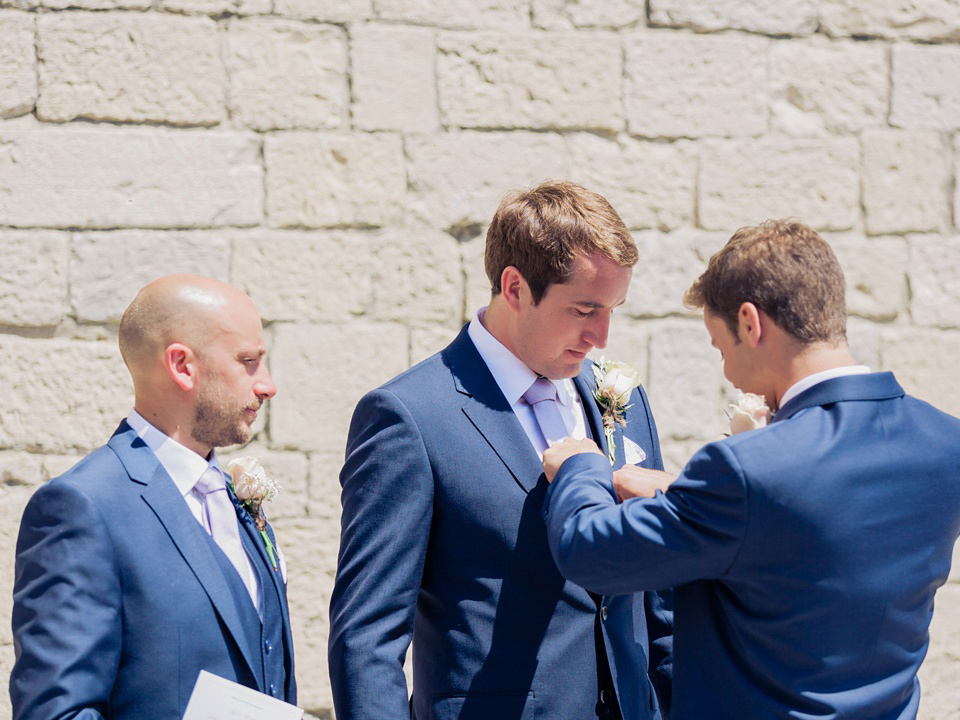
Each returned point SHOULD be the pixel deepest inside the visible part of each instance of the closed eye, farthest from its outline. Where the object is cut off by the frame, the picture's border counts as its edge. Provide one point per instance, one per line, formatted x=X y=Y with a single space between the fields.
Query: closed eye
x=251 y=361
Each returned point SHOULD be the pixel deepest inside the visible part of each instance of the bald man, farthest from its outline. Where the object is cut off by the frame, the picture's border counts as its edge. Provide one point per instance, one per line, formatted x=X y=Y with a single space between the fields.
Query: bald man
x=138 y=568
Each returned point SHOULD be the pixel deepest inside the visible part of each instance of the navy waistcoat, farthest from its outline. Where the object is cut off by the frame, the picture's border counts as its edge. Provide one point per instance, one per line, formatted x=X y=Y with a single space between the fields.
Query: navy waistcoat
x=266 y=636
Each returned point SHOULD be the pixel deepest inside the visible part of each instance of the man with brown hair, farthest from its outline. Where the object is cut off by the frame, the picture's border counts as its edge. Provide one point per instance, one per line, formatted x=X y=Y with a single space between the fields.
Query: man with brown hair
x=441 y=538
x=805 y=555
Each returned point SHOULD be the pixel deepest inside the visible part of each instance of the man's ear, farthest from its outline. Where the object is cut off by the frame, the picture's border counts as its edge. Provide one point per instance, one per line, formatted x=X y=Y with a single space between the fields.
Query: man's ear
x=749 y=325
x=513 y=287
x=181 y=364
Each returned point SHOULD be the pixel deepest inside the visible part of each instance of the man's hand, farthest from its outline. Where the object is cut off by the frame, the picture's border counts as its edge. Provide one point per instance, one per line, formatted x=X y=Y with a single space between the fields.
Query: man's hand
x=632 y=481
x=554 y=455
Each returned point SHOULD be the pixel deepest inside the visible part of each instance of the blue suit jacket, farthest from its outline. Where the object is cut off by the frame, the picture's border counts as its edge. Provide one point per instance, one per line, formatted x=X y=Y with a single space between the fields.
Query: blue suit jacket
x=119 y=600
x=805 y=554
x=442 y=542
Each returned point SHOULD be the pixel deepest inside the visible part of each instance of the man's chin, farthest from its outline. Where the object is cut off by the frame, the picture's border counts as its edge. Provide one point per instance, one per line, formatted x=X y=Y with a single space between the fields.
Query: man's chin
x=244 y=434
x=566 y=371
x=240 y=436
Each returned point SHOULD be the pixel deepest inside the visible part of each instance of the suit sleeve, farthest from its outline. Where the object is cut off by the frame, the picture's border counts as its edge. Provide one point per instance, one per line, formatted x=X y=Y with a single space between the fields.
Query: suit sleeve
x=387 y=503
x=691 y=532
x=66 y=609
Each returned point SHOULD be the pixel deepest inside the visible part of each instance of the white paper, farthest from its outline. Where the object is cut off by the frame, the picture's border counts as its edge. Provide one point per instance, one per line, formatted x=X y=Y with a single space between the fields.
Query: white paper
x=215 y=698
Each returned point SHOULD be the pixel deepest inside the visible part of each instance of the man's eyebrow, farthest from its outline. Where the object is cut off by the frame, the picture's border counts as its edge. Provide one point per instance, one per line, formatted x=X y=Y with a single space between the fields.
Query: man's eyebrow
x=595 y=305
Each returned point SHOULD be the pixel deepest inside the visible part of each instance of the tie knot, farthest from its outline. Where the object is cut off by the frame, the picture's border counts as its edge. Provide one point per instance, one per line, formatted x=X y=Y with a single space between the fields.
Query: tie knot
x=210 y=481
x=542 y=389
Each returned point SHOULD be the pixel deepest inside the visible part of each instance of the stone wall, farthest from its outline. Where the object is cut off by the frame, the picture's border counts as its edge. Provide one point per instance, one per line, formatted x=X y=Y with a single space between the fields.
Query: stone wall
x=338 y=160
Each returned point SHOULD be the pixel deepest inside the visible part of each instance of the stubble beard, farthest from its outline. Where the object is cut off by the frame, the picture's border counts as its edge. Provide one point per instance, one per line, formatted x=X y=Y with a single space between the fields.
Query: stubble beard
x=218 y=423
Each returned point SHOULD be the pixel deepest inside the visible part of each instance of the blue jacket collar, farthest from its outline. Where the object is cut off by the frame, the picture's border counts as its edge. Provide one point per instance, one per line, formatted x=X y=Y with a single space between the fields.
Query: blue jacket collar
x=875 y=386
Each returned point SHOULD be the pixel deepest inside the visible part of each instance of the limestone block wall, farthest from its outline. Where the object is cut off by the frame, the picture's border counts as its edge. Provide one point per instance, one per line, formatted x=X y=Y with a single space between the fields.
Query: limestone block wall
x=339 y=159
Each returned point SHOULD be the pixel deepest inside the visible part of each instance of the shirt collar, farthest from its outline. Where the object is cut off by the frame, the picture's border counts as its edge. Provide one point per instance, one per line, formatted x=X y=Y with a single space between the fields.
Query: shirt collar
x=182 y=464
x=510 y=372
x=810 y=380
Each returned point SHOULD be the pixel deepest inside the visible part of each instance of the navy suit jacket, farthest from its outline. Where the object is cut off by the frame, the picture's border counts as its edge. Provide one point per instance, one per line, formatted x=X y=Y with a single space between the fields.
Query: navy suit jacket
x=119 y=599
x=804 y=555
x=442 y=542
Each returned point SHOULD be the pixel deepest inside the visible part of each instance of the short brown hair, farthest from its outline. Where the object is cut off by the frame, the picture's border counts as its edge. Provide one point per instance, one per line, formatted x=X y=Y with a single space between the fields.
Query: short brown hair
x=540 y=231
x=786 y=270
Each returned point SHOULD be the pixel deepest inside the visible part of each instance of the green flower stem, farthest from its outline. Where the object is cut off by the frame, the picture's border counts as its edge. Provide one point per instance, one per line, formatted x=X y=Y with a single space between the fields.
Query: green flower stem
x=270 y=550
x=253 y=507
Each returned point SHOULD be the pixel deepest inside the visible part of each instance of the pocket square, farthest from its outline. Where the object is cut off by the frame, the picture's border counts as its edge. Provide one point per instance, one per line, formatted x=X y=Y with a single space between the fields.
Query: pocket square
x=633 y=453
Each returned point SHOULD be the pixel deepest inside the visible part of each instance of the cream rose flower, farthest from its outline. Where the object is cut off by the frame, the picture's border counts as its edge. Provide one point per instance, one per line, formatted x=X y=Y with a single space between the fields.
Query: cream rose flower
x=252 y=487
x=617 y=382
x=750 y=412
x=250 y=481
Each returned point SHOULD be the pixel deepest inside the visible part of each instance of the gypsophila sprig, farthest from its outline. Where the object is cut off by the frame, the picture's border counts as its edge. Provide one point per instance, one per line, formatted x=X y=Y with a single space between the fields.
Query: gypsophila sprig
x=615 y=382
x=252 y=488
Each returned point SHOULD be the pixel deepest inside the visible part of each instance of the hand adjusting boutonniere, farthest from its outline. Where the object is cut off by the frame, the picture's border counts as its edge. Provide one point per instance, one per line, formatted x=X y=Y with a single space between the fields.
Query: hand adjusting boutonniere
x=615 y=382
x=750 y=412
x=252 y=486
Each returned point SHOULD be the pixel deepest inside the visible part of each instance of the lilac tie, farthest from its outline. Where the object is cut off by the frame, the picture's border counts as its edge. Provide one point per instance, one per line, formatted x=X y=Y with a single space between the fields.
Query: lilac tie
x=221 y=522
x=542 y=397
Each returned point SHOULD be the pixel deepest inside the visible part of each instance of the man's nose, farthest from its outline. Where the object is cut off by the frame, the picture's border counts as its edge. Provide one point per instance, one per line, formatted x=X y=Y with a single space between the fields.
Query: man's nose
x=599 y=331
x=264 y=387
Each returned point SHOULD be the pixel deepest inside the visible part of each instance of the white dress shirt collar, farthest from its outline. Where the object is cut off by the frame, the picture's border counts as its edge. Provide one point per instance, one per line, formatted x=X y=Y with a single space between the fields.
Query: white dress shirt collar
x=810 y=380
x=510 y=372
x=182 y=464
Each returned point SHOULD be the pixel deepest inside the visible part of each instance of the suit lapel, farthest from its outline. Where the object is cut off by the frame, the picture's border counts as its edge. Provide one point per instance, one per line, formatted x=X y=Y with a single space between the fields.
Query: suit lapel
x=585 y=384
x=490 y=413
x=162 y=496
x=509 y=440
x=164 y=499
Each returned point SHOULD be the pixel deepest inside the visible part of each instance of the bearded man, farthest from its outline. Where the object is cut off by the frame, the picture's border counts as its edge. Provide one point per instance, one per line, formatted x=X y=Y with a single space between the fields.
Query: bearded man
x=138 y=568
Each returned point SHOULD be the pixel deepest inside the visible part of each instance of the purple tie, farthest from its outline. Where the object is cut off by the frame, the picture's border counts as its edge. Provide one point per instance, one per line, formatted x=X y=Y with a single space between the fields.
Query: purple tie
x=221 y=522
x=542 y=397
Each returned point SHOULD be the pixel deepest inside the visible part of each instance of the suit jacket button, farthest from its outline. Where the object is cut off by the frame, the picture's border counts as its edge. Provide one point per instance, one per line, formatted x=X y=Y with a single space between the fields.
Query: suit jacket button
x=603 y=613
x=273 y=689
x=267 y=646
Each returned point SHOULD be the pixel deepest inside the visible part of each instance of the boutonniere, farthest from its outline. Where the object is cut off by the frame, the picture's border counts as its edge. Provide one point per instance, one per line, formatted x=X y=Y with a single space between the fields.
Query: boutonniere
x=615 y=382
x=750 y=412
x=252 y=487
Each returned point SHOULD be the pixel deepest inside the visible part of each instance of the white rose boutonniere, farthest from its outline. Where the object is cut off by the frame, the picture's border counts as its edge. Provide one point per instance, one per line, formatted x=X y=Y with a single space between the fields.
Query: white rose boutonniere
x=615 y=382
x=750 y=412
x=252 y=487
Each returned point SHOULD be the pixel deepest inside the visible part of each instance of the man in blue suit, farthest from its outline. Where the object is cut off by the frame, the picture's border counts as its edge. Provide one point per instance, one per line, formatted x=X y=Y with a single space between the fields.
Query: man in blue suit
x=441 y=538
x=138 y=568
x=805 y=554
